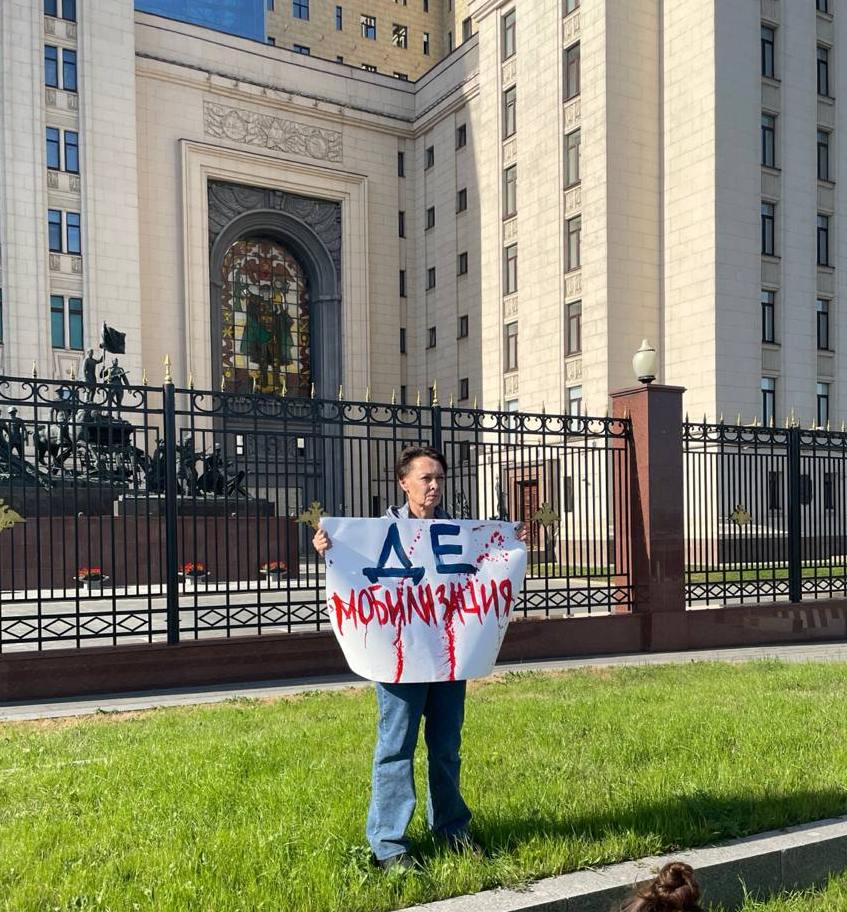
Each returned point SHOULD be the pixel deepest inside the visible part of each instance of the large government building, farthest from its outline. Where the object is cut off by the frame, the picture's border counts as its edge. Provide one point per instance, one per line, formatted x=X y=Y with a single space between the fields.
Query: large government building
x=503 y=197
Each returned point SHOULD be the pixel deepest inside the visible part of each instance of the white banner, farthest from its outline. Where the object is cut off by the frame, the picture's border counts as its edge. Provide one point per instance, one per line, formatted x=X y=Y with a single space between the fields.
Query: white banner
x=414 y=600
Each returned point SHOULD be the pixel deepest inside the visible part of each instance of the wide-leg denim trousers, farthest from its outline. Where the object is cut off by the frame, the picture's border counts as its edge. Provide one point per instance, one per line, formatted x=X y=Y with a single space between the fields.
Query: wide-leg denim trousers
x=442 y=704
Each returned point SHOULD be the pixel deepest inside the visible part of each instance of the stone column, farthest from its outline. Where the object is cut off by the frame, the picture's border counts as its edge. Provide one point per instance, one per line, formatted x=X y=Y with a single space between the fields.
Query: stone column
x=656 y=497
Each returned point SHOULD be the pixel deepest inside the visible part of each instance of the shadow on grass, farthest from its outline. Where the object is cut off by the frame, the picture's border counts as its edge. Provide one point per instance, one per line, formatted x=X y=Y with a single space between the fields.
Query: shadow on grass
x=686 y=821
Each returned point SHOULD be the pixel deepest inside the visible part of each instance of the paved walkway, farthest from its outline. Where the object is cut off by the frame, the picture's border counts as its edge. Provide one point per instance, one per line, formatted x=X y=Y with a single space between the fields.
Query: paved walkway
x=126 y=702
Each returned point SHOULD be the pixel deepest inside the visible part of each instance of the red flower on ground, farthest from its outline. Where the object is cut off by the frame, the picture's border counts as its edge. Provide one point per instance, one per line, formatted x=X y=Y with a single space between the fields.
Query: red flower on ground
x=193 y=568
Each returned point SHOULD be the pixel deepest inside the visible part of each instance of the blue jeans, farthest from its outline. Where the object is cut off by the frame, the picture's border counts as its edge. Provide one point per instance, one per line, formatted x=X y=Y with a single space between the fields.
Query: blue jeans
x=393 y=785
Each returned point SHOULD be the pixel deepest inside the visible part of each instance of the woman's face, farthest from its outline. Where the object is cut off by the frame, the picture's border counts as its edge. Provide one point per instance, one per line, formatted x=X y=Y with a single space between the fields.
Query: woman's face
x=423 y=486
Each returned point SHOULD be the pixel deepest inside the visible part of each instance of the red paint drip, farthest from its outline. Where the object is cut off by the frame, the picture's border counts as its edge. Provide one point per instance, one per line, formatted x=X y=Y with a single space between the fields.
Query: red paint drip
x=450 y=636
x=398 y=653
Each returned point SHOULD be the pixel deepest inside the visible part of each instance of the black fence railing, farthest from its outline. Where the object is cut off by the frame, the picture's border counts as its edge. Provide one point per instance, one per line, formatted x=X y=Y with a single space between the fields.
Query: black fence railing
x=764 y=513
x=148 y=514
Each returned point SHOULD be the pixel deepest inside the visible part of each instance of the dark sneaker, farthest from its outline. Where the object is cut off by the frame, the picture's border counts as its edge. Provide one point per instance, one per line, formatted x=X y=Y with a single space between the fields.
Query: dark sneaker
x=465 y=844
x=401 y=862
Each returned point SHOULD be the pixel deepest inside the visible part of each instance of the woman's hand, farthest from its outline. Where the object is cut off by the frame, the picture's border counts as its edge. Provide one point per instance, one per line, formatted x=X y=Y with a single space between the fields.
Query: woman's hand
x=321 y=542
x=522 y=532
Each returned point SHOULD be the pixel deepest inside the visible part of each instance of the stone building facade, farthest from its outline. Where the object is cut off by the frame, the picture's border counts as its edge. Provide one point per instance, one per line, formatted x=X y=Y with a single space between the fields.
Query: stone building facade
x=508 y=223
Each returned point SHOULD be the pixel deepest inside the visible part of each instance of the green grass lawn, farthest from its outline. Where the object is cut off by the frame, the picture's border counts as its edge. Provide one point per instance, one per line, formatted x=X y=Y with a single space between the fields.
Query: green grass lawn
x=764 y=572
x=260 y=806
x=832 y=898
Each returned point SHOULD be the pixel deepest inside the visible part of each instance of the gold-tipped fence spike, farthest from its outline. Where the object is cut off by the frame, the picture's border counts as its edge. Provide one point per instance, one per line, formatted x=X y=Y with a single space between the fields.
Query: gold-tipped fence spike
x=435 y=392
x=418 y=397
x=773 y=421
x=474 y=402
x=340 y=391
x=827 y=424
x=738 y=419
x=167 y=362
x=543 y=408
x=223 y=383
x=368 y=393
x=843 y=427
x=313 y=391
x=34 y=369
x=144 y=380
x=791 y=418
x=393 y=396
x=190 y=380
x=450 y=401
x=284 y=390
x=255 y=385
x=721 y=419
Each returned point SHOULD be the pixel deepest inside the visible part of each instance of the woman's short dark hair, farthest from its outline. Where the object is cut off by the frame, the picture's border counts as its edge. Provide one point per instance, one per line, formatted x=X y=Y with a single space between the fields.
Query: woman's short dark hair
x=410 y=454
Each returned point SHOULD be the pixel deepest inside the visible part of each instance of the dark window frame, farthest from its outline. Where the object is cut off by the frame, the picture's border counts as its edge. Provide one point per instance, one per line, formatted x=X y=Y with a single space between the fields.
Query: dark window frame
x=823 y=71
x=574 y=328
x=823 y=324
x=51 y=66
x=432 y=337
x=368 y=25
x=510 y=269
x=510 y=191
x=299 y=8
x=824 y=159
x=462 y=263
x=462 y=200
x=431 y=278
x=464 y=389
x=73 y=233
x=429 y=222
x=53 y=148
x=461 y=136
x=574 y=243
x=510 y=347
x=768 y=307
x=768 y=140
x=768 y=221
x=463 y=327
x=572 y=161
x=509 y=46
x=768 y=43
x=69 y=70
x=510 y=111
x=768 y=400
x=822 y=245
x=55 y=233
x=572 y=67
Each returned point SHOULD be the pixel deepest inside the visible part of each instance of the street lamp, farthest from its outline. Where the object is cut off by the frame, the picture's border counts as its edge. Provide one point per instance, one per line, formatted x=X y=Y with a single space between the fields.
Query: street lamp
x=644 y=363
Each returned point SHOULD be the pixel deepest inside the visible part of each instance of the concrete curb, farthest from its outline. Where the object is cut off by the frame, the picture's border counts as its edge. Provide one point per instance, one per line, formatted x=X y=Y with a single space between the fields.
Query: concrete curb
x=795 y=858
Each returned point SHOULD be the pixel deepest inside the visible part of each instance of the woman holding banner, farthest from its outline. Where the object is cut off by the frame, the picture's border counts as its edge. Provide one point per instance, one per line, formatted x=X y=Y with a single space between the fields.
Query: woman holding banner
x=420 y=473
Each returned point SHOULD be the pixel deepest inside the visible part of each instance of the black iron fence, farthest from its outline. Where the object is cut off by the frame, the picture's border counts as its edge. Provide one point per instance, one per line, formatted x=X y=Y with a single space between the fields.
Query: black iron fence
x=142 y=514
x=764 y=513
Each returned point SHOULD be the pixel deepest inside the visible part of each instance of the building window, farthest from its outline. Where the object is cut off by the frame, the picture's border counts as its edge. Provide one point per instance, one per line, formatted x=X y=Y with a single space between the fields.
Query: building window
x=402 y=340
x=450 y=42
x=572 y=72
x=574 y=400
x=51 y=66
x=768 y=40
x=400 y=35
x=72 y=151
x=467 y=28
x=270 y=6
x=571 y=5
x=509 y=35
x=401 y=223
x=430 y=278
x=511 y=347
x=68 y=70
x=54 y=232
x=403 y=394
x=272 y=41
x=823 y=155
x=510 y=269
x=426 y=6
x=822 y=6
x=75 y=323
x=339 y=18
x=339 y=59
x=463 y=326
x=51 y=7
x=69 y=10
x=768 y=228
x=510 y=98
x=575 y=328
x=57 y=321
x=302 y=49
x=72 y=233
x=403 y=77
x=368 y=27
x=768 y=400
x=300 y=9
x=402 y=283
x=426 y=43
x=510 y=191
x=464 y=389
x=768 y=315
x=429 y=156
x=769 y=140
x=823 y=71
x=53 y=154
x=572 y=141
x=462 y=264
x=462 y=200
x=461 y=136
x=574 y=238
x=823 y=240
x=368 y=67
x=430 y=217
x=823 y=404
x=822 y=317
x=431 y=337
x=401 y=164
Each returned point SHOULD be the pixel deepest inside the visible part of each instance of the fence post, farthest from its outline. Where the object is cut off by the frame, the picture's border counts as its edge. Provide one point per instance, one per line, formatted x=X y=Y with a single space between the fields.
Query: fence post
x=795 y=559
x=655 y=508
x=171 y=494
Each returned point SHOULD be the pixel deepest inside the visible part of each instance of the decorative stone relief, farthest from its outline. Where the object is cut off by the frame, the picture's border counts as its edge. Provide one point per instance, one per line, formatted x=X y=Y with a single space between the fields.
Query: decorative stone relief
x=50 y=97
x=770 y=185
x=510 y=230
x=826 y=113
x=74 y=182
x=770 y=97
x=826 y=365
x=573 y=285
x=510 y=71
x=510 y=307
x=573 y=114
x=226 y=201
x=55 y=262
x=271 y=132
x=572 y=27
x=70 y=29
x=53 y=180
x=510 y=384
x=826 y=199
x=49 y=25
x=573 y=370
x=770 y=10
x=573 y=200
x=771 y=359
x=826 y=280
x=76 y=265
x=510 y=152
x=770 y=271
x=72 y=100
